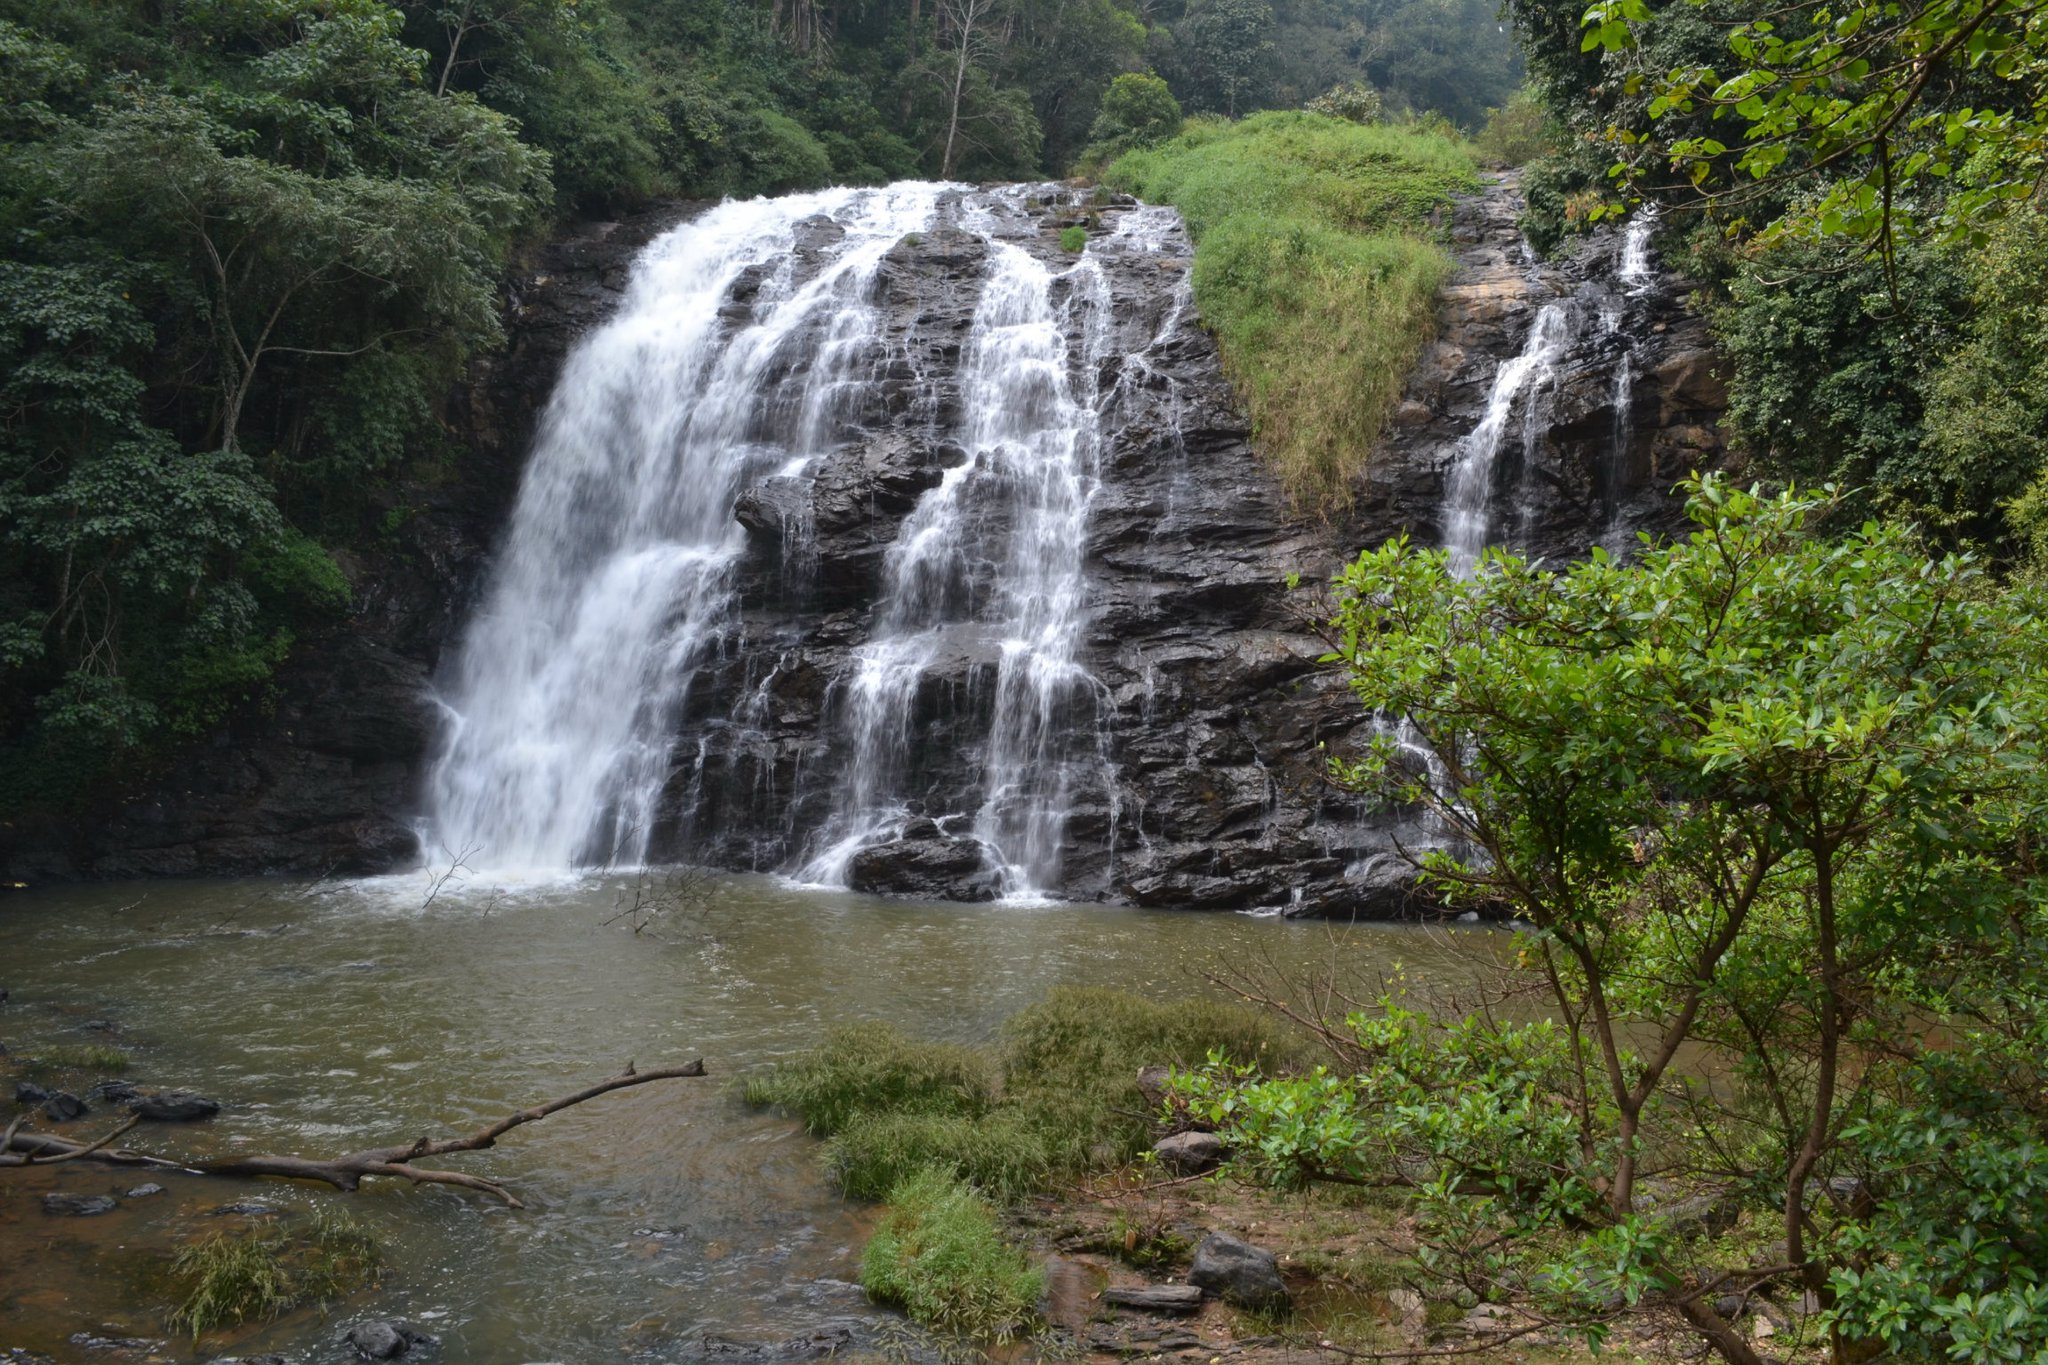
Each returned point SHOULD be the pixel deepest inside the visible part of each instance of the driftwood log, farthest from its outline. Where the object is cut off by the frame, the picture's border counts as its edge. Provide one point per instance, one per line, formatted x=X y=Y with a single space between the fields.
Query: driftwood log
x=345 y=1172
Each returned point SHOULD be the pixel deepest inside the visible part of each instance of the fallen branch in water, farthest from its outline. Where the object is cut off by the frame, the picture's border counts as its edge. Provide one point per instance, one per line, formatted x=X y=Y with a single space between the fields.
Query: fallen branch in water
x=344 y=1172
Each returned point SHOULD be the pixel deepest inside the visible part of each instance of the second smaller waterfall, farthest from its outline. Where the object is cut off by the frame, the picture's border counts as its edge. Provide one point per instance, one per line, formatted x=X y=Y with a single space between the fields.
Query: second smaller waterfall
x=1468 y=486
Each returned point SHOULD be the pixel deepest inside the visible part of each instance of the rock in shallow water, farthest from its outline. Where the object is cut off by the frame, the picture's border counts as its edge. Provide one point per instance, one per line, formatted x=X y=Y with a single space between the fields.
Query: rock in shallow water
x=940 y=869
x=77 y=1205
x=64 y=1107
x=1238 y=1272
x=384 y=1340
x=173 y=1106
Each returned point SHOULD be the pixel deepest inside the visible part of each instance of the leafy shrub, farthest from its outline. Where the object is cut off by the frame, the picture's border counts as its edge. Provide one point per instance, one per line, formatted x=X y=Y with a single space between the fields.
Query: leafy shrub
x=873 y=1068
x=231 y=1278
x=291 y=572
x=1353 y=101
x=939 y=1257
x=1002 y=1153
x=1074 y=239
x=779 y=154
x=1137 y=111
x=1518 y=132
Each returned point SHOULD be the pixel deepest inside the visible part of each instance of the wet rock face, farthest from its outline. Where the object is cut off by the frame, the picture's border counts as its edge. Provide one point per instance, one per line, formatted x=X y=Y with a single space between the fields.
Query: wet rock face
x=1207 y=722
x=1632 y=406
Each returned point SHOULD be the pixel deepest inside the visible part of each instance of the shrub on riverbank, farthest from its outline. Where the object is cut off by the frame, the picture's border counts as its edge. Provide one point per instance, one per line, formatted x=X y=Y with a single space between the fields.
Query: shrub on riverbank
x=1317 y=266
x=939 y=1256
x=1004 y=1154
x=1059 y=1095
x=872 y=1067
x=1072 y=1063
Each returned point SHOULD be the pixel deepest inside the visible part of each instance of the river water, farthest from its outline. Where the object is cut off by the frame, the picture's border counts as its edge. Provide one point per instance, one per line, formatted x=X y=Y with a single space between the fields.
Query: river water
x=331 y=1017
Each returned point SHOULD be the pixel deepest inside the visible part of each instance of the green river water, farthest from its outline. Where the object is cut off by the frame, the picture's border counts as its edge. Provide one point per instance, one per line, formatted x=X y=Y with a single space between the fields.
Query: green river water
x=331 y=1017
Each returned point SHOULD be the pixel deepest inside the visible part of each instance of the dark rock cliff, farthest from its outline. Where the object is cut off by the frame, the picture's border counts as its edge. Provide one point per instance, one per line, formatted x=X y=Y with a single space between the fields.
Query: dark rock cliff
x=1216 y=714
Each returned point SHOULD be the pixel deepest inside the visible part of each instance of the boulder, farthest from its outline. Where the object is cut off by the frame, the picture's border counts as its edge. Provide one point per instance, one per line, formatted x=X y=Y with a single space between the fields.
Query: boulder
x=1238 y=1272
x=64 y=1107
x=1189 y=1153
x=944 y=868
x=380 y=1339
x=144 y=1191
x=173 y=1106
x=62 y=1205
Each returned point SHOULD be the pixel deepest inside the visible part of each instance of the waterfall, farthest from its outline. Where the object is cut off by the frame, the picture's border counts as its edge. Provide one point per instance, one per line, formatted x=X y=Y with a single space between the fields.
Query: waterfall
x=614 y=583
x=1468 y=487
x=992 y=559
x=747 y=349
x=1635 y=273
x=1635 y=277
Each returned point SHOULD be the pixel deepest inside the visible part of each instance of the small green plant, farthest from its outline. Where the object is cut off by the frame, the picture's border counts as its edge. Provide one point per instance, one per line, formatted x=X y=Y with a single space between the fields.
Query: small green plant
x=913 y=240
x=91 y=1057
x=1003 y=1154
x=1353 y=101
x=939 y=1257
x=234 y=1277
x=1145 y=1243
x=872 y=1066
x=1074 y=240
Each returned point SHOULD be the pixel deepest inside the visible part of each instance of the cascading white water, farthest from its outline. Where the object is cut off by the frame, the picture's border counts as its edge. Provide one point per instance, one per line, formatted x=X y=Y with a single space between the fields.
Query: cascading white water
x=615 y=580
x=1468 y=487
x=1635 y=277
x=1634 y=272
x=1032 y=440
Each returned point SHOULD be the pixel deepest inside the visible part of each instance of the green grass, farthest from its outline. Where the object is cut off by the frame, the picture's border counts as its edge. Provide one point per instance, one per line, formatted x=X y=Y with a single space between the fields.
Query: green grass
x=1004 y=1153
x=1074 y=240
x=1317 y=265
x=870 y=1068
x=939 y=1256
x=96 y=1057
x=1058 y=1096
x=1072 y=1063
x=947 y=1134
x=230 y=1278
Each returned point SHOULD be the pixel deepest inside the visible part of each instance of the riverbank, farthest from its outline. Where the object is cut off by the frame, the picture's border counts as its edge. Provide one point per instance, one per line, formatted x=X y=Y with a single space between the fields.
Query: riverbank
x=328 y=1017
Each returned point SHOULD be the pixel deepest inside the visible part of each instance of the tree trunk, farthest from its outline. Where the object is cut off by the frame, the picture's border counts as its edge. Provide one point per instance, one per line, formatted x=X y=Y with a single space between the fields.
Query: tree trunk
x=966 y=13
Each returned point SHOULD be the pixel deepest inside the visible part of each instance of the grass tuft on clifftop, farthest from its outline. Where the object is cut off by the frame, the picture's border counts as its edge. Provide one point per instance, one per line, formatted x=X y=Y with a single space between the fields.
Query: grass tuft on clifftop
x=1317 y=266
